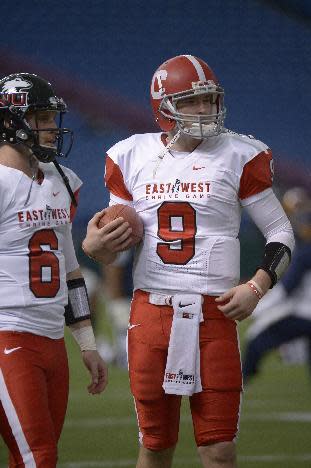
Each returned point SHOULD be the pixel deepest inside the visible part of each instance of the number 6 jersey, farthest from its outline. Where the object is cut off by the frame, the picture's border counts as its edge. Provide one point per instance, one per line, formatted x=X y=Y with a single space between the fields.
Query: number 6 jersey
x=36 y=250
x=190 y=204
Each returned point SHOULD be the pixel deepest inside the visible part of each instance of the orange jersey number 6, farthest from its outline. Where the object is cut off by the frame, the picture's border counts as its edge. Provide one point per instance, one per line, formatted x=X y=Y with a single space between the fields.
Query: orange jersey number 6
x=41 y=260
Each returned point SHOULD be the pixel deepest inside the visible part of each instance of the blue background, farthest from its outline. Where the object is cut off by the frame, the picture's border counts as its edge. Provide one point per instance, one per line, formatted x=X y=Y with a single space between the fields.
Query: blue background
x=100 y=56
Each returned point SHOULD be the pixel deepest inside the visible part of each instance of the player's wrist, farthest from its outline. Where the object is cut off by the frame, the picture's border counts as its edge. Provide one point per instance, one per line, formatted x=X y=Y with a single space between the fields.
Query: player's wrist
x=85 y=338
x=88 y=251
x=102 y=255
x=257 y=290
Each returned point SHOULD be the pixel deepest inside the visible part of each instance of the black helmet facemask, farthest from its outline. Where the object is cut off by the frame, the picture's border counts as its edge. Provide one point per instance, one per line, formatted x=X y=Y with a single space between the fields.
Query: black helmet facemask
x=30 y=137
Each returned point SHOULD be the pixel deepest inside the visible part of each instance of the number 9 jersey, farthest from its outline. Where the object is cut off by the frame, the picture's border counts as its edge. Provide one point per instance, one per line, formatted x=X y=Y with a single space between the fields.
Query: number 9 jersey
x=36 y=249
x=190 y=204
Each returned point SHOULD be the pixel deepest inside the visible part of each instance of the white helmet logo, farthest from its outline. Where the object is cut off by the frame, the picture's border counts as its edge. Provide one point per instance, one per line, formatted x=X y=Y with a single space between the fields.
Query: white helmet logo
x=159 y=76
x=53 y=100
x=16 y=86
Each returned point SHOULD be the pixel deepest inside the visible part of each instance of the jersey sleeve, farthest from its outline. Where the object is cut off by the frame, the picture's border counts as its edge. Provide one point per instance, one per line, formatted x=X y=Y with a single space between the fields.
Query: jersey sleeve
x=71 y=261
x=269 y=216
x=3 y=193
x=257 y=175
x=75 y=183
x=114 y=181
x=74 y=180
x=73 y=208
x=8 y=184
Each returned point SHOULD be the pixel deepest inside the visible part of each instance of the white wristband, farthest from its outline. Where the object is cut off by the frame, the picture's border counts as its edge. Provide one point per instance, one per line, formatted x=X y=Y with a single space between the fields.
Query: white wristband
x=85 y=338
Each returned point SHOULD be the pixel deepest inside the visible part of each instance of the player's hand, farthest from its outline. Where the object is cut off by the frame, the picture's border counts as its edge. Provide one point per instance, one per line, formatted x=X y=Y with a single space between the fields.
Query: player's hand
x=239 y=302
x=98 y=371
x=101 y=243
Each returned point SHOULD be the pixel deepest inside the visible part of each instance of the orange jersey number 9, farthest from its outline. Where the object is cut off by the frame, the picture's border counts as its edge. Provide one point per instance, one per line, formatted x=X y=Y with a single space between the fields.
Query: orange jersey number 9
x=179 y=245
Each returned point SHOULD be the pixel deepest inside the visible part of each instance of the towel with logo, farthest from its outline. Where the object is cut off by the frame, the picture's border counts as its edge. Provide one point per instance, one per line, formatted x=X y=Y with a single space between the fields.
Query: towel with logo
x=182 y=373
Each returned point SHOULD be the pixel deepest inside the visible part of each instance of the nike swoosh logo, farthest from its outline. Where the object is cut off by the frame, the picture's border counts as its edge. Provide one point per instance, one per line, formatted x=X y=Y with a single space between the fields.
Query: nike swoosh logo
x=133 y=326
x=184 y=305
x=198 y=168
x=55 y=194
x=9 y=351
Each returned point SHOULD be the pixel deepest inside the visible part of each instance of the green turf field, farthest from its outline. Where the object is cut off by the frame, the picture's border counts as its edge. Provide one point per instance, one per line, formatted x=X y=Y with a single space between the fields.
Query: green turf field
x=275 y=432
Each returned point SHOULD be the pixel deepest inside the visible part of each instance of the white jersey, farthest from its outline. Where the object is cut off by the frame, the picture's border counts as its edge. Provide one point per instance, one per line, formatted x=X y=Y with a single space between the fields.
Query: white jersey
x=190 y=205
x=36 y=249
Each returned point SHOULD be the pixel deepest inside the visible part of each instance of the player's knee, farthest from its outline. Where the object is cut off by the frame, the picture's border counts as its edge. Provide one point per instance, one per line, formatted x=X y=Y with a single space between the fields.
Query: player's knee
x=160 y=457
x=46 y=458
x=159 y=445
x=218 y=453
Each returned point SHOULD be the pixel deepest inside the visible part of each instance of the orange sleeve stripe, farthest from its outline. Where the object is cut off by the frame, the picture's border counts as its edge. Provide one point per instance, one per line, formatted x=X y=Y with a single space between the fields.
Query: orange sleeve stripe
x=257 y=175
x=114 y=180
x=73 y=209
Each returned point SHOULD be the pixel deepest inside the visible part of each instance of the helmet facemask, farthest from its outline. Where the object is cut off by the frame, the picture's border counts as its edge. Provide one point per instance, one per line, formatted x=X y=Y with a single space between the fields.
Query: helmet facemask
x=48 y=153
x=196 y=125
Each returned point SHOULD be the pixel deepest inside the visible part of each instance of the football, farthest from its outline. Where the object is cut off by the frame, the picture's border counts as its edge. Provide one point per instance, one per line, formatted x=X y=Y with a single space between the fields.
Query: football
x=128 y=214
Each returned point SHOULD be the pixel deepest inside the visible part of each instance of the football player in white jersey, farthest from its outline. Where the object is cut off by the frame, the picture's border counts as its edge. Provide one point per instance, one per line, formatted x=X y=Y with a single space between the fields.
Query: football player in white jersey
x=40 y=280
x=189 y=184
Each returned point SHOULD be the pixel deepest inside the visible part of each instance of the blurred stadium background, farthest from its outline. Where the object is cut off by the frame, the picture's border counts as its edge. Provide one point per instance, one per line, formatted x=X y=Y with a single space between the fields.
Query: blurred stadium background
x=100 y=56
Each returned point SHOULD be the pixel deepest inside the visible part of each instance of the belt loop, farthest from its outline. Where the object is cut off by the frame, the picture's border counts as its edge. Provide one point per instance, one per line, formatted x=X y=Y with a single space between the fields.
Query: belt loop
x=160 y=299
x=169 y=300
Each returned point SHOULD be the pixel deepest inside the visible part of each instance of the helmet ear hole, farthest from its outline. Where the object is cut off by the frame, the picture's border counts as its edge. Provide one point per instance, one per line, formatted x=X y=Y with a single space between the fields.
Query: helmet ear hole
x=22 y=135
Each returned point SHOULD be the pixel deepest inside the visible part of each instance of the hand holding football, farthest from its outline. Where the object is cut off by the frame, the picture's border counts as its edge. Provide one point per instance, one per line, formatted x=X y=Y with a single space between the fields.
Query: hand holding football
x=130 y=215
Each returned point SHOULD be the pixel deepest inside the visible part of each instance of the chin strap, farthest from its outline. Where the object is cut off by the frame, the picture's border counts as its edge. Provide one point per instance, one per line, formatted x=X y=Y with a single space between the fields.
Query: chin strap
x=164 y=151
x=34 y=171
x=66 y=182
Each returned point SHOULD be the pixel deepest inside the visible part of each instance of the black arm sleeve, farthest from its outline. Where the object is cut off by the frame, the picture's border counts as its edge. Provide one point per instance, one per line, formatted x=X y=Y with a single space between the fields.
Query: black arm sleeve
x=78 y=307
x=276 y=260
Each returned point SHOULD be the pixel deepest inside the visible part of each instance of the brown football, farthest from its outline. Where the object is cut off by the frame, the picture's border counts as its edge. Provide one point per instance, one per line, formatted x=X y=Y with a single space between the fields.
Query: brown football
x=130 y=215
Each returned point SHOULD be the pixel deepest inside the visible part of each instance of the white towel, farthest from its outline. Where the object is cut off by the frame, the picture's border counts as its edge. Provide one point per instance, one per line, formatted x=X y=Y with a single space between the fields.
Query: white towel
x=182 y=373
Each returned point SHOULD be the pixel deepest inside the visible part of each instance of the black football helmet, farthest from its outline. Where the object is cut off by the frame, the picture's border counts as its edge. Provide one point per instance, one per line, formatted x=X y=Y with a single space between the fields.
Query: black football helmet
x=21 y=93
